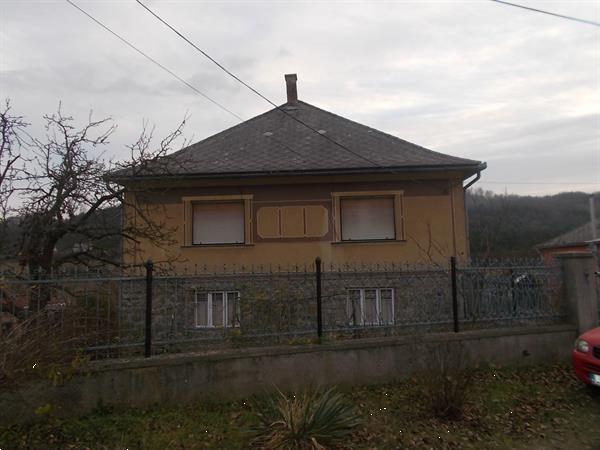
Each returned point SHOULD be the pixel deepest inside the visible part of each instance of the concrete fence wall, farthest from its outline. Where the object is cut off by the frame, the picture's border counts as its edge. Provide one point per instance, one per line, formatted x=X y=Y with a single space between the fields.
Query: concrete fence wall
x=184 y=378
x=230 y=374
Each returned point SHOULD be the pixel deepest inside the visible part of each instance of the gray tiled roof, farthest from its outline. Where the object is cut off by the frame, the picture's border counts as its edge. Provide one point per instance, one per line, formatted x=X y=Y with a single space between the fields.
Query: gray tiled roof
x=577 y=236
x=274 y=143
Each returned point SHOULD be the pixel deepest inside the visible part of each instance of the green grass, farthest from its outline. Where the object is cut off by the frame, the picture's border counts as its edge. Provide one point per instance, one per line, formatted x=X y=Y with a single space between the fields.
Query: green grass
x=542 y=407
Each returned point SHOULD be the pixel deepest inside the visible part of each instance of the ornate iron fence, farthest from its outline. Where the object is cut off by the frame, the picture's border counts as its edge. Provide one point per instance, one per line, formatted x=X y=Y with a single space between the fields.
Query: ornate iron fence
x=261 y=306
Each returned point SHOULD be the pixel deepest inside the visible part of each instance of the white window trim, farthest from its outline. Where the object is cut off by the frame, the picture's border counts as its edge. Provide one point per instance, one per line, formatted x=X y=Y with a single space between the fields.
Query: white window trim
x=377 y=305
x=209 y=307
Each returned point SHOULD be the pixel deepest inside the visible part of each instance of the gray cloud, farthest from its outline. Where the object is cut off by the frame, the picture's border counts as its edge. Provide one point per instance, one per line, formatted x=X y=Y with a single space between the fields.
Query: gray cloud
x=475 y=79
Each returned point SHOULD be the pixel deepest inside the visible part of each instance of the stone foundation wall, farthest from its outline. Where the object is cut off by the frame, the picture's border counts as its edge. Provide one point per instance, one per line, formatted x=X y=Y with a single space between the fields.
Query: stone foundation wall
x=274 y=303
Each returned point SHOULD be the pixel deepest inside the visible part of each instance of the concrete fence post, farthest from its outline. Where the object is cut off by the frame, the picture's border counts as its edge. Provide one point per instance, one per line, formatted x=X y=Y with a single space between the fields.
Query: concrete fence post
x=579 y=272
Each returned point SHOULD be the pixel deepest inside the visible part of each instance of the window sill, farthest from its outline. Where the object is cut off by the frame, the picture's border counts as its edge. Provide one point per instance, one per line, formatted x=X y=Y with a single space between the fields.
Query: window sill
x=211 y=328
x=216 y=245
x=369 y=242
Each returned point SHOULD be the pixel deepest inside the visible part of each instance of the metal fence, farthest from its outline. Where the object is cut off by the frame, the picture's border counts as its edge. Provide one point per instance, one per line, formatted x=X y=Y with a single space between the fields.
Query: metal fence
x=205 y=310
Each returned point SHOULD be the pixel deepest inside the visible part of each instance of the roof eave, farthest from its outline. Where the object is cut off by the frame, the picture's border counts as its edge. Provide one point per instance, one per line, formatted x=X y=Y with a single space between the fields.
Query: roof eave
x=565 y=245
x=469 y=170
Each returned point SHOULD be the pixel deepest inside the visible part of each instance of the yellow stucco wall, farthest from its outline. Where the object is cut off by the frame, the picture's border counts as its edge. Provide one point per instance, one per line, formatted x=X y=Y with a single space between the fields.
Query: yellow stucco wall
x=433 y=211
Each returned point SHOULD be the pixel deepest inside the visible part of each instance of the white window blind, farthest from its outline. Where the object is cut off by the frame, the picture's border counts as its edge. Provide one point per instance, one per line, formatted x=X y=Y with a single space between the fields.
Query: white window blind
x=370 y=316
x=218 y=223
x=370 y=306
x=217 y=304
x=367 y=218
x=354 y=309
x=218 y=309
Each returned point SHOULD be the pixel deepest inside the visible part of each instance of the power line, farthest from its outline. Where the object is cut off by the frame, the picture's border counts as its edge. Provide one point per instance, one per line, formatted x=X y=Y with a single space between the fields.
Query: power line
x=588 y=22
x=170 y=72
x=255 y=91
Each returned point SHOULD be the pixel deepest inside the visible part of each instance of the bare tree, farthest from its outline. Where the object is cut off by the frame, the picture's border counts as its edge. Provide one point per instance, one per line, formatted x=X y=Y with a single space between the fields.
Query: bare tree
x=11 y=142
x=72 y=198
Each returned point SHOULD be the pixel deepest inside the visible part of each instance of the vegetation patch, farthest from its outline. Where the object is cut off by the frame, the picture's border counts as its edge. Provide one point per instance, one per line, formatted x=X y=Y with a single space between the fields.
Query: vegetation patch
x=312 y=420
x=537 y=407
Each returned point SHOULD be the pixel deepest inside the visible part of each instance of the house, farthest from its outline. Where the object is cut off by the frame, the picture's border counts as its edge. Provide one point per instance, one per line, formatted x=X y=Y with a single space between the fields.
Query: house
x=299 y=182
x=580 y=239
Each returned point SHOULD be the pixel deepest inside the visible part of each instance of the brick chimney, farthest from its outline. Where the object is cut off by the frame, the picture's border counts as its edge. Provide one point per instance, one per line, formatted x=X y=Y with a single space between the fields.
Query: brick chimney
x=292 y=91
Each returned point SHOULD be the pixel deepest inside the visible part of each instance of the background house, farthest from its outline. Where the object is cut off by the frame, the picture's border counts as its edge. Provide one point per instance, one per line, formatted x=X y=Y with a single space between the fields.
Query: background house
x=299 y=182
x=580 y=239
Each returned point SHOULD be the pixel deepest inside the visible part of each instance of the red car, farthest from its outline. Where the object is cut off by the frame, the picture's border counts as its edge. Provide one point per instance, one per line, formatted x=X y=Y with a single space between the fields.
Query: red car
x=586 y=357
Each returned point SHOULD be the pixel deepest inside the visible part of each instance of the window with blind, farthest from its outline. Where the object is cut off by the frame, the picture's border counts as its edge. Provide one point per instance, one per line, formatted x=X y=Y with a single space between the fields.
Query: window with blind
x=367 y=218
x=218 y=223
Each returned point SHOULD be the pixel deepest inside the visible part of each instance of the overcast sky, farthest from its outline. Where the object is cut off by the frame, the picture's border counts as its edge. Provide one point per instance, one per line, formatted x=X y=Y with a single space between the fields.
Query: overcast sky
x=518 y=89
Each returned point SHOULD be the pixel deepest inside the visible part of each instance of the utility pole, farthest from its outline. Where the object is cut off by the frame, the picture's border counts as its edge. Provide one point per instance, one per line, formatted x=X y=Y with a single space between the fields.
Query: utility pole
x=593 y=217
x=594 y=243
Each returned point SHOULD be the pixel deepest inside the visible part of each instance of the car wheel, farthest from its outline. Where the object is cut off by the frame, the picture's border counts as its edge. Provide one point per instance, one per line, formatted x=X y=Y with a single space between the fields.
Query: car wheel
x=593 y=391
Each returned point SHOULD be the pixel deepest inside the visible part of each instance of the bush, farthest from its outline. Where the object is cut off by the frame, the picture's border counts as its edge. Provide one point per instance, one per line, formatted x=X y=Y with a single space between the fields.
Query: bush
x=310 y=420
x=446 y=383
x=47 y=345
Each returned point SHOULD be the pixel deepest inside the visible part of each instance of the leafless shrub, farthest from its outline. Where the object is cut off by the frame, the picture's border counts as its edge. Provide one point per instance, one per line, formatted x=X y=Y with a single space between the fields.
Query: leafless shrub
x=446 y=382
x=47 y=345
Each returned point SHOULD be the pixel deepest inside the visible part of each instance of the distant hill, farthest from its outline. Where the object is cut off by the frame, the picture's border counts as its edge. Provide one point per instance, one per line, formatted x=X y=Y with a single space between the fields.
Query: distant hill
x=502 y=226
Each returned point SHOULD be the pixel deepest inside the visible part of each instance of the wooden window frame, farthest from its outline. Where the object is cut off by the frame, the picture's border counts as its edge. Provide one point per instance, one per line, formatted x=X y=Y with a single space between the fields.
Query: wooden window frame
x=188 y=218
x=398 y=198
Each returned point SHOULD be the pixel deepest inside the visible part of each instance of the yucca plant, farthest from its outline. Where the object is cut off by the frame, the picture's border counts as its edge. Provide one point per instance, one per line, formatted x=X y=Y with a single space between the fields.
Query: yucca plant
x=310 y=420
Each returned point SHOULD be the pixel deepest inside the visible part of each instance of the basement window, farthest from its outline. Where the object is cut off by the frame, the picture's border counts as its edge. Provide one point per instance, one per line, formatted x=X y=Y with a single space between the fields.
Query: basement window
x=220 y=309
x=370 y=306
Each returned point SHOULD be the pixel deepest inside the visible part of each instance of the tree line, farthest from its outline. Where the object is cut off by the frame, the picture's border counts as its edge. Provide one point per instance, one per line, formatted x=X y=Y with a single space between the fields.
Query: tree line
x=504 y=226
